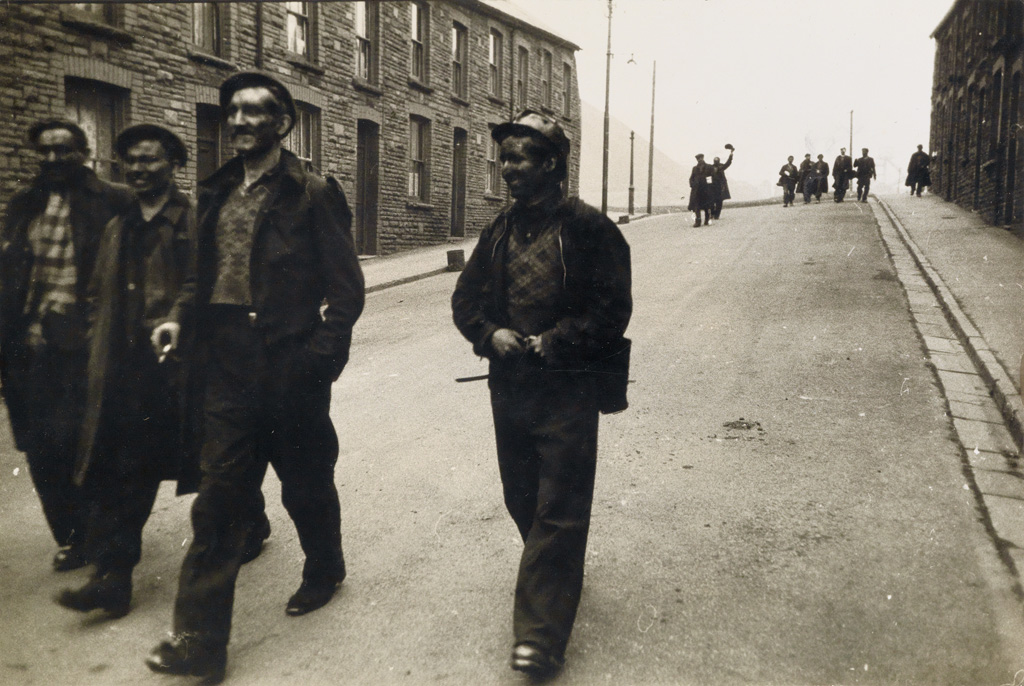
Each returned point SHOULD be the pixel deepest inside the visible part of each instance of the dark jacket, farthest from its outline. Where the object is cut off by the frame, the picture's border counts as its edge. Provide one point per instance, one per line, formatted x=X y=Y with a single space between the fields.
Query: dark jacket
x=597 y=282
x=821 y=173
x=169 y=261
x=92 y=204
x=700 y=187
x=302 y=255
x=719 y=184
x=842 y=170
x=917 y=169
x=806 y=169
x=787 y=175
x=865 y=167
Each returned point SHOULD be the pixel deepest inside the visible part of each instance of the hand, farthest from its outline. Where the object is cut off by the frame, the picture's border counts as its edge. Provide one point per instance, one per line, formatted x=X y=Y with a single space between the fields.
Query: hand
x=507 y=342
x=535 y=344
x=164 y=339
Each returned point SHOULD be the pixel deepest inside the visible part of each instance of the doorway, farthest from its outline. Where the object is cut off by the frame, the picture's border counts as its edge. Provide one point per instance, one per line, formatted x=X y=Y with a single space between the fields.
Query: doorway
x=458 y=226
x=367 y=186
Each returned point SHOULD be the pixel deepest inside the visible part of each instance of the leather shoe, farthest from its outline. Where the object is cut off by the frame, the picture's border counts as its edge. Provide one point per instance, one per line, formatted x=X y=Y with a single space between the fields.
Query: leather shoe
x=533 y=661
x=312 y=595
x=183 y=655
x=70 y=557
x=111 y=592
x=254 y=541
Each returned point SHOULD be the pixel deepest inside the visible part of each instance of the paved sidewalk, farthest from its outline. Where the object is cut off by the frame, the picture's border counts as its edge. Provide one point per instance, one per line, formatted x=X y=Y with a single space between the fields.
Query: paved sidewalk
x=410 y=265
x=977 y=271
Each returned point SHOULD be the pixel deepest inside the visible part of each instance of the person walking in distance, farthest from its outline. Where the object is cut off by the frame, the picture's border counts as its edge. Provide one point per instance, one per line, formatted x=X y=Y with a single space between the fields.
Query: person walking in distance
x=821 y=176
x=274 y=245
x=865 y=171
x=545 y=296
x=51 y=231
x=701 y=178
x=788 y=176
x=918 y=175
x=719 y=184
x=842 y=170
x=805 y=179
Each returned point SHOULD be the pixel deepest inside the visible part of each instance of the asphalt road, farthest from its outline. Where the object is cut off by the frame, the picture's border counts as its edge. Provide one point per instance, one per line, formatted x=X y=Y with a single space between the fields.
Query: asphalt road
x=782 y=503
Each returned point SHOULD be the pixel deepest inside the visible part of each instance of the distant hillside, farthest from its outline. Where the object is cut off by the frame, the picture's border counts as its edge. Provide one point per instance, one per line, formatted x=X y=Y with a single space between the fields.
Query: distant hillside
x=671 y=178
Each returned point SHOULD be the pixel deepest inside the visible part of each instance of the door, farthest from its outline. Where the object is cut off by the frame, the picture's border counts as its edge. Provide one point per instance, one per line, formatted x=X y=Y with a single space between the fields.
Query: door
x=458 y=227
x=367 y=186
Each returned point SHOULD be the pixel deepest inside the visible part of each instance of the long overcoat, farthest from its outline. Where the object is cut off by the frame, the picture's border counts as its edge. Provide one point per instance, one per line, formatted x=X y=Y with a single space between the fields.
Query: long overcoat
x=701 y=177
x=719 y=184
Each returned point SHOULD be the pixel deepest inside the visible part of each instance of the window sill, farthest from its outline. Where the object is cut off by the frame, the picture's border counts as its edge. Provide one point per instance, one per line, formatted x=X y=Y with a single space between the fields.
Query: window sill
x=302 y=63
x=496 y=100
x=459 y=100
x=547 y=110
x=88 y=24
x=417 y=204
x=494 y=198
x=213 y=60
x=419 y=85
x=366 y=86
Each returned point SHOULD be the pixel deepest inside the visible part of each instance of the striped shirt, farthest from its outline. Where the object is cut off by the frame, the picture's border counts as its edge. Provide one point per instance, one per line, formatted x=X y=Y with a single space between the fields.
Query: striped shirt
x=54 y=275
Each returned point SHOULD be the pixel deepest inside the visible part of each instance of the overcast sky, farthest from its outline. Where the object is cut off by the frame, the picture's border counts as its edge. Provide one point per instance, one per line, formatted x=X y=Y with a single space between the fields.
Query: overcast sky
x=774 y=78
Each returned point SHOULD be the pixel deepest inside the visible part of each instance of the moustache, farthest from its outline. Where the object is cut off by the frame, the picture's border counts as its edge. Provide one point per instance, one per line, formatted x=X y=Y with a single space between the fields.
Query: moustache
x=242 y=131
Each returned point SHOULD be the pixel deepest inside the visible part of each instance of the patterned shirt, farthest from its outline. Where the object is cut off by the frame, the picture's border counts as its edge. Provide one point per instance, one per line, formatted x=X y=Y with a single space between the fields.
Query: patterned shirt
x=234 y=233
x=534 y=273
x=54 y=275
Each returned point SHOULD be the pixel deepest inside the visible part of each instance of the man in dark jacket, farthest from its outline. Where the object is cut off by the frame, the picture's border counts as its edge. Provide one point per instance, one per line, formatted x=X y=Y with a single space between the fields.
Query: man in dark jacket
x=842 y=170
x=918 y=175
x=821 y=174
x=701 y=178
x=546 y=298
x=47 y=252
x=865 y=170
x=788 y=177
x=274 y=244
x=719 y=186
x=805 y=179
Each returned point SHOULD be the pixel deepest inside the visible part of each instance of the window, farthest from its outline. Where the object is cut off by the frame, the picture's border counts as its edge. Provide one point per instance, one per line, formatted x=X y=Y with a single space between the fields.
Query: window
x=495 y=56
x=100 y=110
x=208 y=139
x=367 y=18
x=460 y=38
x=206 y=27
x=301 y=27
x=98 y=11
x=566 y=90
x=419 y=151
x=545 y=78
x=419 y=29
x=304 y=138
x=523 y=77
x=493 y=180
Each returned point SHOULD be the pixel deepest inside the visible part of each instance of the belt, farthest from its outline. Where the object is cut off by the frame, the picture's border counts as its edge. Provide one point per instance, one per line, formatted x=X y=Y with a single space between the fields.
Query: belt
x=220 y=313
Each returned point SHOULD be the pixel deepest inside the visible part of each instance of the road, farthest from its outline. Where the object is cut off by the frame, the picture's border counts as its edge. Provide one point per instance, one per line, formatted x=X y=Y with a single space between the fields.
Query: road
x=783 y=502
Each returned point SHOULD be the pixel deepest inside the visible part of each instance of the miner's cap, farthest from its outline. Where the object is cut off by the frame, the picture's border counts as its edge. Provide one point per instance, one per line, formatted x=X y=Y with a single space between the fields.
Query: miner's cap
x=535 y=125
x=177 y=153
x=256 y=79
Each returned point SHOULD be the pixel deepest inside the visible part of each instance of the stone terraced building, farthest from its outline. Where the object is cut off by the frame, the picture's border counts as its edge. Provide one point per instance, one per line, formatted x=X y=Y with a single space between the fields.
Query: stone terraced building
x=396 y=98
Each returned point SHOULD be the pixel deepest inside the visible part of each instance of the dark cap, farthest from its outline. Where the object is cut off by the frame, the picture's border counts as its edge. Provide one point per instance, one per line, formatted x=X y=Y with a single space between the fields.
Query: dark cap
x=699 y=156
x=177 y=153
x=535 y=125
x=256 y=79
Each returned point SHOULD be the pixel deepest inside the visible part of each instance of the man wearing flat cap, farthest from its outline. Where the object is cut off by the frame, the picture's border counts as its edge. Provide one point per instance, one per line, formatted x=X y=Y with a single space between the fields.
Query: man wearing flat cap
x=702 y=178
x=51 y=231
x=132 y=430
x=546 y=298
x=274 y=244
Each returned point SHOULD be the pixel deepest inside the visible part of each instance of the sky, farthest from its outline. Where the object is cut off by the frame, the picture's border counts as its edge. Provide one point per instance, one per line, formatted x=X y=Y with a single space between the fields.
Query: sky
x=772 y=77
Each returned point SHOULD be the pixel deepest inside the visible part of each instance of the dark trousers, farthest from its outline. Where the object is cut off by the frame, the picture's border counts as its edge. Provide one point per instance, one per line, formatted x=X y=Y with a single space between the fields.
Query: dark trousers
x=809 y=187
x=716 y=209
x=264 y=404
x=546 y=434
x=916 y=188
x=788 y=192
x=55 y=396
x=863 y=186
x=841 y=187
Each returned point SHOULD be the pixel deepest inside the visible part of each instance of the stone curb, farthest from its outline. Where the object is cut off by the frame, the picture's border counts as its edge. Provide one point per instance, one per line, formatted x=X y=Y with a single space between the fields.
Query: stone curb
x=996 y=378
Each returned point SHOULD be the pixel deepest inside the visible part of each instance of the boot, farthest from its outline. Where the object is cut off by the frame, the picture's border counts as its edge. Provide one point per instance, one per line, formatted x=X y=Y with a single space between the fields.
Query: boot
x=111 y=591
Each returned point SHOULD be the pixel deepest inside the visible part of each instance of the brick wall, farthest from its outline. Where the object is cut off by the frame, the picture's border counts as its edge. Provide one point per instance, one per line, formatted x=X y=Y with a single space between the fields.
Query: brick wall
x=145 y=57
x=977 y=141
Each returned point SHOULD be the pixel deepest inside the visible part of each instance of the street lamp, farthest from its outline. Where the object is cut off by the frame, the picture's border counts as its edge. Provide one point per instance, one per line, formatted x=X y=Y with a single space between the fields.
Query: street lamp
x=607 y=91
x=631 y=189
x=650 y=142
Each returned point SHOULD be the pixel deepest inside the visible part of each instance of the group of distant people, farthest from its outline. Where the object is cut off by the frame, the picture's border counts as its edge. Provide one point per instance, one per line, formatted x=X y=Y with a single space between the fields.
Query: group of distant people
x=709 y=188
x=812 y=177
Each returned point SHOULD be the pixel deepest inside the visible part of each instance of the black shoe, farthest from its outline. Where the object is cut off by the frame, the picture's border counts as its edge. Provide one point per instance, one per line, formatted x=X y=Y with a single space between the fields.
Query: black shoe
x=183 y=655
x=254 y=541
x=111 y=592
x=534 y=661
x=70 y=557
x=312 y=595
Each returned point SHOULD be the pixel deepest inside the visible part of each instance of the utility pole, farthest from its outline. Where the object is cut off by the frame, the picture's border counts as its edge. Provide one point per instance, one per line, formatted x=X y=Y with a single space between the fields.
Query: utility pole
x=650 y=143
x=607 y=91
x=631 y=189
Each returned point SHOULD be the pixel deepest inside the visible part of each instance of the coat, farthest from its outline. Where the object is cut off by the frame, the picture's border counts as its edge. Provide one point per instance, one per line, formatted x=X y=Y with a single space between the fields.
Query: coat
x=169 y=262
x=700 y=187
x=917 y=169
x=597 y=284
x=821 y=173
x=719 y=184
x=93 y=203
x=806 y=168
x=842 y=170
x=302 y=256
x=865 y=167
x=787 y=176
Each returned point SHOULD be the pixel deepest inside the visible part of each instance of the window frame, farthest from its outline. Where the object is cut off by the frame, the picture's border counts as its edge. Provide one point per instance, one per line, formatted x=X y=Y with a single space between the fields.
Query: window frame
x=492 y=177
x=96 y=95
x=495 y=62
x=418 y=186
x=566 y=90
x=546 y=77
x=212 y=12
x=367 y=43
x=419 y=42
x=309 y=21
x=299 y=137
x=523 y=75
x=460 y=60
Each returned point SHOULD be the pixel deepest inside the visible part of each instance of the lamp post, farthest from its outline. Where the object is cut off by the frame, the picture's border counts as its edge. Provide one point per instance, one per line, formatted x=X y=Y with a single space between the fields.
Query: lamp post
x=650 y=144
x=607 y=91
x=631 y=189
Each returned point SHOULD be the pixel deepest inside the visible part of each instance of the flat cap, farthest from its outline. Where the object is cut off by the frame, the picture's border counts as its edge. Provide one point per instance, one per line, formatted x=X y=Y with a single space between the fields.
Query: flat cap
x=257 y=79
x=536 y=125
x=177 y=153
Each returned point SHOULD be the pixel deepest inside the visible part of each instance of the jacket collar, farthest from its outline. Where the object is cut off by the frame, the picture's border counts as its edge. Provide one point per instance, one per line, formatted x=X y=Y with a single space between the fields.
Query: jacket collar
x=233 y=172
x=86 y=181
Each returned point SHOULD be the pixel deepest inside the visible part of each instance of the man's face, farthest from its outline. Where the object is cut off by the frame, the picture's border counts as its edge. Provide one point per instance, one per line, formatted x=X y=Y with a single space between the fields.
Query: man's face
x=252 y=125
x=147 y=168
x=864 y=151
x=790 y=158
x=524 y=167
x=842 y=151
x=717 y=160
x=59 y=155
